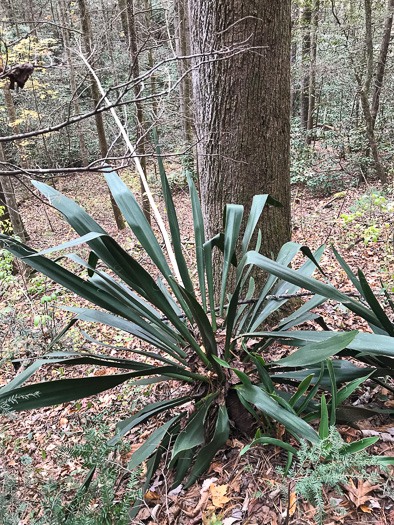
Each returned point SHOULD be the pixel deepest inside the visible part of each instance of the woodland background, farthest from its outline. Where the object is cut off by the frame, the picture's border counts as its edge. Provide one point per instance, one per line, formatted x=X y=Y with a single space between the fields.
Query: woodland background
x=57 y=129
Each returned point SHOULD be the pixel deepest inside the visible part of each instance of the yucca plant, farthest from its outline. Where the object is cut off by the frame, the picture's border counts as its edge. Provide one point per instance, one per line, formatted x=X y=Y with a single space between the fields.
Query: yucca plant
x=166 y=314
x=188 y=340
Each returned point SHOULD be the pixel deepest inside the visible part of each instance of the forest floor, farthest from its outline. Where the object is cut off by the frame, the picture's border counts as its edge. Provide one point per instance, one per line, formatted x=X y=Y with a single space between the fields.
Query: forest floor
x=237 y=489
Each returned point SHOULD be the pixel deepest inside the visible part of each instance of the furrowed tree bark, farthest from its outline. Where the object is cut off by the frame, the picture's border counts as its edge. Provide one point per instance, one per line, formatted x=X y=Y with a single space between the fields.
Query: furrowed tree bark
x=242 y=111
x=88 y=43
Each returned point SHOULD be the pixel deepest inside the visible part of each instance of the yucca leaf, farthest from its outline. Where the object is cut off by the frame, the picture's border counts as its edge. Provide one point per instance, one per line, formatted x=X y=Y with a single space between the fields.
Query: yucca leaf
x=115 y=257
x=286 y=255
x=357 y=446
x=347 y=390
x=310 y=284
x=151 y=444
x=143 y=415
x=302 y=388
x=151 y=467
x=139 y=328
x=372 y=344
x=173 y=221
x=54 y=392
x=264 y=402
x=193 y=434
x=265 y=440
x=301 y=313
x=313 y=353
x=258 y=203
x=313 y=391
x=28 y=372
x=375 y=305
x=344 y=372
x=348 y=271
x=205 y=328
x=334 y=393
x=207 y=453
x=145 y=353
x=199 y=238
x=233 y=220
x=171 y=301
x=264 y=376
x=139 y=225
x=323 y=427
x=217 y=241
x=57 y=273
x=384 y=460
x=182 y=465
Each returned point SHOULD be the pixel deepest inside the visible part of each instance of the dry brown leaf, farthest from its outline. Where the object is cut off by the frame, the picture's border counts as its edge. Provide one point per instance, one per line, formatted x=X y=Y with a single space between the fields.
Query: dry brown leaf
x=219 y=498
x=360 y=494
x=63 y=421
x=365 y=508
x=280 y=430
x=151 y=496
x=216 y=467
x=292 y=504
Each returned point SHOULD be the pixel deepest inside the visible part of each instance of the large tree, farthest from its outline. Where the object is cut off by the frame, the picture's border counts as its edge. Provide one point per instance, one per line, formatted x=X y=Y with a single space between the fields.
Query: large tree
x=241 y=84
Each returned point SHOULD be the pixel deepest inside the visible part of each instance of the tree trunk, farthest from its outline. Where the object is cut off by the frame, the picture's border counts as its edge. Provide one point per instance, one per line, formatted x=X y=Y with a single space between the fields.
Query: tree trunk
x=73 y=84
x=5 y=222
x=293 y=53
x=306 y=19
x=8 y=192
x=135 y=72
x=371 y=112
x=123 y=16
x=382 y=60
x=12 y=117
x=182 y=46
x=379 y=168
x=242 y=105
x=95 y=94
x=312 y=74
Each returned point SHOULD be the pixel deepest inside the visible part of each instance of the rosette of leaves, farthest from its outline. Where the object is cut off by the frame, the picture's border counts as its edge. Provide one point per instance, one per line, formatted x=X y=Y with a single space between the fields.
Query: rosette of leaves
x=186 y=343
x=188 y=340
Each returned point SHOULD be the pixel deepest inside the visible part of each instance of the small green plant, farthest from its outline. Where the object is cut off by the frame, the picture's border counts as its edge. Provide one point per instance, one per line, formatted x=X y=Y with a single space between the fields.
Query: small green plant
x=107 y=499
x=6 y=267
x=332 y=463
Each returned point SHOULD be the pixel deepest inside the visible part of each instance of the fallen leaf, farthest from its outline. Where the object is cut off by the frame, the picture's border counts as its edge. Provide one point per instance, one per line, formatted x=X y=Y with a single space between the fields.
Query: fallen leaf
x=365 y=508
x=207 y=483
x=360 y=494
x=292 y=504
x=219 y=498
x=63 y=421
x=151 y=496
